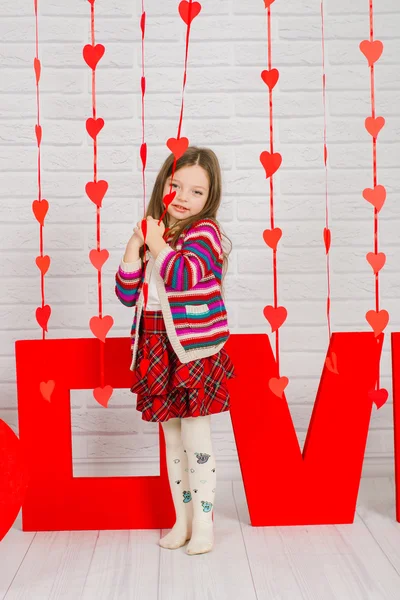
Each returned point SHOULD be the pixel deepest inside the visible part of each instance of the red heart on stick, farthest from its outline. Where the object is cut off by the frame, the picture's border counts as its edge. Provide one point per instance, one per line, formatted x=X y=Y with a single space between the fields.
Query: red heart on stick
x=377 y=261
x=270 y=77
x=47 y=388
x=378 y=397
x=371 y=50
x=374 y=124
x=91 y=2
x=36 y=66
x=189 y=11
x=145 y=292
x=272 y=237
x=327 y=239
x=92 y=54
x=96 y=191
x=178 y=147
x=98 y=258
x=38 y=132
x=270 y=162
x=94 y=126
x=168 y=198
x=278 y=385
x=378 y=320
x=40 y=209
x=43 y=262
x=43 y=315
x=100 y=326
x=268 y=3
x=103 y=394
x=275 y=316
x=375 y=196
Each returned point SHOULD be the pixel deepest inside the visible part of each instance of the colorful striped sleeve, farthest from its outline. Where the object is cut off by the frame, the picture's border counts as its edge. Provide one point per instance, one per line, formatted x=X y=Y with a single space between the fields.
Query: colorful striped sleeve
x=201 y=255
x=127 y=281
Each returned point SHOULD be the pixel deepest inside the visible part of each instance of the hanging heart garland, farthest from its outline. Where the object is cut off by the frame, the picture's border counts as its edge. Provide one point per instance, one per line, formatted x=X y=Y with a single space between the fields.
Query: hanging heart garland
x=96 y=190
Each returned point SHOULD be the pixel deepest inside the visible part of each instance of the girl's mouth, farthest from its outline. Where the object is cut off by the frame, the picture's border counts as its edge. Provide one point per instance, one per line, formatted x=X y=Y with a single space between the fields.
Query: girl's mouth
x=180 y=209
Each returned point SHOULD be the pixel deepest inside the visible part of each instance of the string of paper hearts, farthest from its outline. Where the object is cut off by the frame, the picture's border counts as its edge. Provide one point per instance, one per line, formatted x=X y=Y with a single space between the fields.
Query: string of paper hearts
x=331 y=360
x=188 y=10
x=271 y=161
x=377 y=319
x=100 y=325
x=40 y=208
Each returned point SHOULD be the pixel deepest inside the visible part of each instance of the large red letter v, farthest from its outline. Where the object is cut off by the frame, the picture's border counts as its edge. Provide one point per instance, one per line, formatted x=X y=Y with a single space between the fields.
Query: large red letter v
x=319 y=486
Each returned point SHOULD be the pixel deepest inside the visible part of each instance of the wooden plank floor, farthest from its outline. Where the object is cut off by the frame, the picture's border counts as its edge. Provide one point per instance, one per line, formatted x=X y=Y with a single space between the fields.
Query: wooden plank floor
x=346 y=562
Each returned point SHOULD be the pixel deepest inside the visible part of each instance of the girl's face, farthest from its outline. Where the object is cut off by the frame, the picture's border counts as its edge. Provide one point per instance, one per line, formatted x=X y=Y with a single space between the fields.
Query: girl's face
x=191 y=186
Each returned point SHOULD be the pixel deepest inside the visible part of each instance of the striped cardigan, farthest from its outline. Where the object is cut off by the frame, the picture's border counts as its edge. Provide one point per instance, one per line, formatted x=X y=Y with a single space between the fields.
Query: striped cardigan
x=188 y=281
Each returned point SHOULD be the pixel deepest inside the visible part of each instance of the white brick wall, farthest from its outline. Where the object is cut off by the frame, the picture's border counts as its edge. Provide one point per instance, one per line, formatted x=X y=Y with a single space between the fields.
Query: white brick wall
x=226 y=108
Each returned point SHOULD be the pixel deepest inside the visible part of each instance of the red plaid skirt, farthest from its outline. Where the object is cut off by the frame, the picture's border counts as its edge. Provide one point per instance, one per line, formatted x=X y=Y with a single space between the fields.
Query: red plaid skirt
x=169 y=388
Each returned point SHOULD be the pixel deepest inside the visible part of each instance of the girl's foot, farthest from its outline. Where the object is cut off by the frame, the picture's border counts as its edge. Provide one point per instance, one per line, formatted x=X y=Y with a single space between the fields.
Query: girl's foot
x=177 y=537
x=202 y=539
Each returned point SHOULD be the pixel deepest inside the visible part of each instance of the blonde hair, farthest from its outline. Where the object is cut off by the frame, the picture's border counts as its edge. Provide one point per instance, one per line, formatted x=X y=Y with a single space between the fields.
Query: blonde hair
x=207 y=159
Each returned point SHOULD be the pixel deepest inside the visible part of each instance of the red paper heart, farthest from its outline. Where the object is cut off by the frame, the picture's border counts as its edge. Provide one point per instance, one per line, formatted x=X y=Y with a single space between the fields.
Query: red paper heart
x=43 y=262
x=96 y=191
x=100 y=326
x=331 y=363
x=47 y=388
x=43 y=315
x=377 y=261
x=98 y=258
x=278 y=385
x=144 y=365
x=375 y=196
x=168 y=198
x=272 y=237
x=270 y=77
x=92 y=54
x=178 y=147
x=275 y=316
x=327 y=239
x=143 y=23
x=377 y=320
x=143 y=154
x=268 y=3
x=270 y=162
x=374 y=124
x=371 y=50
x=94 y=126
x=184 y=8
x=103 y=395
x=378 y=397
x=38 y=132
x=37 y=67
x=40 y=209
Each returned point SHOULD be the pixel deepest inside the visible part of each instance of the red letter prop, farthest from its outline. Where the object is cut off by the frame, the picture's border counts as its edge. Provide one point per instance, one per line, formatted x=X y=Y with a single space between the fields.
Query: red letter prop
x=55 y=500
x=396 y=415
x=13 y=478
x=319 y=486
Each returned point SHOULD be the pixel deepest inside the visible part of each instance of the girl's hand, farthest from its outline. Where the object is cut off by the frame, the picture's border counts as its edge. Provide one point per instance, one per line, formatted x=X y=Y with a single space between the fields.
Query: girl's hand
x=137 y=237
x=154 y=230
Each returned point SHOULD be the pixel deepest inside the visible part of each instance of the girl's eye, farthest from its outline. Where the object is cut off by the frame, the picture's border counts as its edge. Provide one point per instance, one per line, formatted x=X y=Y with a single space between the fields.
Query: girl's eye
x=197 y=191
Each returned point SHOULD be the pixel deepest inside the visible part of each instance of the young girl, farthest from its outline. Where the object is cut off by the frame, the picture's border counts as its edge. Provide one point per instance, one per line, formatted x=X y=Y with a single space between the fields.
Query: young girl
x=179 y=363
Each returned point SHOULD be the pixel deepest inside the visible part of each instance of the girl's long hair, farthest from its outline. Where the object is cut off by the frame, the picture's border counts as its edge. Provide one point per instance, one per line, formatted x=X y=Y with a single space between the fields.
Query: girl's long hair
x=207 y=159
